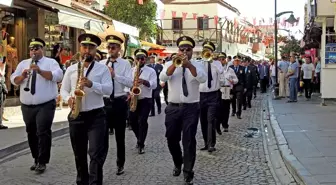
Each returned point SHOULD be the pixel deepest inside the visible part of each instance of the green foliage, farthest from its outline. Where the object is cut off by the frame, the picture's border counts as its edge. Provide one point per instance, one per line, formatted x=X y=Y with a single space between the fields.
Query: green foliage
x=130 y=12
x=292 y=45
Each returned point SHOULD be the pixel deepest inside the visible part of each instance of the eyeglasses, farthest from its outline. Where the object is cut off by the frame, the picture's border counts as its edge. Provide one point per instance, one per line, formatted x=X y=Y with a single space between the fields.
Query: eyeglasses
x=34 y=48
x=185 y=49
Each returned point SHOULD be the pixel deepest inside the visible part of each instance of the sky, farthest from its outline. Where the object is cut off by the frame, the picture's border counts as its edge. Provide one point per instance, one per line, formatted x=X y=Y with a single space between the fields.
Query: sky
x=265 y=9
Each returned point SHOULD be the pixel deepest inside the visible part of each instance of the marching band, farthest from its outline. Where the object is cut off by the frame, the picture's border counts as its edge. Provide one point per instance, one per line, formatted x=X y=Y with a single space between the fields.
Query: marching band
x=105 y=93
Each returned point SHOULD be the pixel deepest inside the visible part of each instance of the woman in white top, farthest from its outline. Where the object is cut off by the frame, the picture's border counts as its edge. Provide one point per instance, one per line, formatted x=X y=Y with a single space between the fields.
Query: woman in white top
x=3 y=91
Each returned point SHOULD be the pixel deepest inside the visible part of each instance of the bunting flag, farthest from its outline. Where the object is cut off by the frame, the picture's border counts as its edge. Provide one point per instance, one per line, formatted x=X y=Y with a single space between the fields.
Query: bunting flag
x=194 y=16
x=254 y=21
x=163 y=12
x=205 y=16
x=173 y=14
x=216 y=19
x=184 y=16
x=235 y=22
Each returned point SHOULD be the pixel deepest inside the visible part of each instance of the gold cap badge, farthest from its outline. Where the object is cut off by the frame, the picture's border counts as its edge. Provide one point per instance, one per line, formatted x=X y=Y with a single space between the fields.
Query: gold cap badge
x=88 y=39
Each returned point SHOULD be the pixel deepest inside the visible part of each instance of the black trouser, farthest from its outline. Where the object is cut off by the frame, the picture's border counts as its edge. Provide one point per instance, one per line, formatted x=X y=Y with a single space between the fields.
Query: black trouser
x=318 y=82
x=209 y=104
x=165 y=93
x=223 y=114
x=248 y=97
x=89 y=128
x=308 y=88
x=237 y=101
x=156 y=99
x=182 y=118
x=38 y=120
x=116 y=115
x=139 y=121
x=264 y=84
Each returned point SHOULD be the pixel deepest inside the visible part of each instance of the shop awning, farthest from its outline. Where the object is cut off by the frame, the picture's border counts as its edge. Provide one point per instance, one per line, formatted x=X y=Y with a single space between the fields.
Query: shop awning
x=151 y=45
x=70 y=17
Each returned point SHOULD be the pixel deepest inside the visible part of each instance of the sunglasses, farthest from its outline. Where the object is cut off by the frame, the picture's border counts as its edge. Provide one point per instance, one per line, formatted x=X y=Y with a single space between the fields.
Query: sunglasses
x=140 y=58
x=185 y=49
x=34 y=48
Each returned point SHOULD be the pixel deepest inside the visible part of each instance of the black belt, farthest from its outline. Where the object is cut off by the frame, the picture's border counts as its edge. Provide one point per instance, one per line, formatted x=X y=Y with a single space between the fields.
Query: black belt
x=53 y=100
x=93 y=111
x=212 y=92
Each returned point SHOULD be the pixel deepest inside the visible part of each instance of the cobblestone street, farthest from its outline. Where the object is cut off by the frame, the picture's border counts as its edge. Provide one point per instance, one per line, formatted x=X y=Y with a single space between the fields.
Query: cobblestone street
x=238 y=160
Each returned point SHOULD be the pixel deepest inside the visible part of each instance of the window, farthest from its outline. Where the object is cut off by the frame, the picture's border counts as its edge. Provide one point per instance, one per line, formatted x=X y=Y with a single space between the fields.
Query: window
x=177 y=24
x=202 y=23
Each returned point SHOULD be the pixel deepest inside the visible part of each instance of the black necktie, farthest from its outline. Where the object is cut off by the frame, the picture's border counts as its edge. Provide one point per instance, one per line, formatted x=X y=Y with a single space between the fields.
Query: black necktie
x=33 y=82
x=184 y=84
x=112 y=95
x=209 y=75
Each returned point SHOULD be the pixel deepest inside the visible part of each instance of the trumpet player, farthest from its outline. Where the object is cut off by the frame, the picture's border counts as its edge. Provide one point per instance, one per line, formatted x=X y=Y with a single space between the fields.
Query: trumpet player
x=83 y=86
x=38 y=78
x=116 y=107
x=182 y=112
x=145 y=79
x=210 y=96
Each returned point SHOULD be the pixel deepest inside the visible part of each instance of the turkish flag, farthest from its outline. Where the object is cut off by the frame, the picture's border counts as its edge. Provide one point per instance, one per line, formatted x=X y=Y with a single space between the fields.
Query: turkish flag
x=216 y=19
x=173 y=14
x=140 y=2
x=195 y=16
x=184 y=15
x=163 y=12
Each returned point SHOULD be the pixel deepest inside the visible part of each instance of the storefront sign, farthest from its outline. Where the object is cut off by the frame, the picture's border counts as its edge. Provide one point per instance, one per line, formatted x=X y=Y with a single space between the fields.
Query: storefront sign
x=6 y=2
x=330 y=53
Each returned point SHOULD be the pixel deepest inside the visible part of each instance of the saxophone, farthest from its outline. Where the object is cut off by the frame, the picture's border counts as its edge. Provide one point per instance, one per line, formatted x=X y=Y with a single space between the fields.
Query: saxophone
x=79 y=92
x=136 y=91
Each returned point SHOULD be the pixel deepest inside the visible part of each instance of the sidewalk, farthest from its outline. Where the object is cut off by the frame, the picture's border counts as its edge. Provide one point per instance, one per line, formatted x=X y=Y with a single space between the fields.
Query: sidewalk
x=15 y=138
x=306 y=135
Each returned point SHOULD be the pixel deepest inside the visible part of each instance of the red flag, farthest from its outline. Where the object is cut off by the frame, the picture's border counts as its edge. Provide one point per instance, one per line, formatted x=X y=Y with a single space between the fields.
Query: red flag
x=254 y=21
x=184 y=15
x=298 y=20
x=173 y=14
x=140 y=2
x=163 y=12
x=235 y=22
x=216 y=19
x=194 y=16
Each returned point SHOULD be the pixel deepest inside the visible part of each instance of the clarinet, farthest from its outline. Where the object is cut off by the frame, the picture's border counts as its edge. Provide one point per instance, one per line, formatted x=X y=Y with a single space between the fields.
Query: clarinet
x=29 y=75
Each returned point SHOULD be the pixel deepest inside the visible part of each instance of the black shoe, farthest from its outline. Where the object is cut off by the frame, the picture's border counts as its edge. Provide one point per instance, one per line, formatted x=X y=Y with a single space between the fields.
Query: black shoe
x=176 y=171
x=32 y=168
x=219 y=132
x=204 y=148
x=211 y=149
x=239 y=117
x=188 y=181
x=120 y=171
x=244 y=108
x=141 y=151
x=226 y=129
x=159 y=111
x=40 y=168
x=2 y=127
x=233 y=114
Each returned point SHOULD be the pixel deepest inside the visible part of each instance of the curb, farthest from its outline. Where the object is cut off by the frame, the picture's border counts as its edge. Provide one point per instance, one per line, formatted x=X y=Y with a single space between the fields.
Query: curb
x=4 y=152
x=301 y=175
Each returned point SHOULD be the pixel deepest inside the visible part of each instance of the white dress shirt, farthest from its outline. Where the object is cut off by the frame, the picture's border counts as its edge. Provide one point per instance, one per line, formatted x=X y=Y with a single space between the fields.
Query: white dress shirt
x=216 y=70
x=101 y=85
x=175 y=83
x=228 y=74
x=46 y=90
x=146 y=73
x=3 y=72
x=123 y=77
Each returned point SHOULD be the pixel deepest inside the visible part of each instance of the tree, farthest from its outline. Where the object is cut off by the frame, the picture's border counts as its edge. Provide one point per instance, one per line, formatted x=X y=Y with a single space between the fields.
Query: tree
x=292 y=45
x=130 y=12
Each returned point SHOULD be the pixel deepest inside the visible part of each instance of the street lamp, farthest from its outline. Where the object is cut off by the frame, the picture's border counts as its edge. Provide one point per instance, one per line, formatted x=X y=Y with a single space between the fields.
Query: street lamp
x=291 y=20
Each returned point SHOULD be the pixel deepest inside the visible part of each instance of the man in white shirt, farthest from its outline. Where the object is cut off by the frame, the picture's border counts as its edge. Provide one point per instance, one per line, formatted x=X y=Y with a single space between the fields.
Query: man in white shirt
x=3 y=91
x=116 y=107
x=308 y=70
x=38 y=77
x=88 y=129
x=210 y=98
x=182 y=112
x=147 y=82
x=227 y=79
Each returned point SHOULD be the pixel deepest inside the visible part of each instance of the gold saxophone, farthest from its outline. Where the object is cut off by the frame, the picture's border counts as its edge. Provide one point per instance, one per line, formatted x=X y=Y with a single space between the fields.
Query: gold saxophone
x=79 y=92
x=136 y=91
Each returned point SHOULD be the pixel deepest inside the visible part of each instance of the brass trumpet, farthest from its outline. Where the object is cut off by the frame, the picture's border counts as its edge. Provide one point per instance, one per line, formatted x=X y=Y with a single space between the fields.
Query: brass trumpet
x=178 y=60
x=207 y=55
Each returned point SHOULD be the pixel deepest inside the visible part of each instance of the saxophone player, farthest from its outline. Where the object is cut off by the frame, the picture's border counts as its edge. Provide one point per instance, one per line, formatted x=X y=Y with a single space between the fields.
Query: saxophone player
x=210 y=97
x=38 y=100
x=182 y=112
x=115 y=103
x=89 y=126
x=145 y=79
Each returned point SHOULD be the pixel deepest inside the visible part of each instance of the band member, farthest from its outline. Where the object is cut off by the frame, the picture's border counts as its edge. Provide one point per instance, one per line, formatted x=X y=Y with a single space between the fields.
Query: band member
x=145 y=80
x=227 y=79
x=182 y=112
x=156 y=92
x=130 y=60
x=116 y=107
x=165 y=84
x=251 y=72
x=38 y=77
x=239 y=88
x=210 y=96
x=84 y=85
